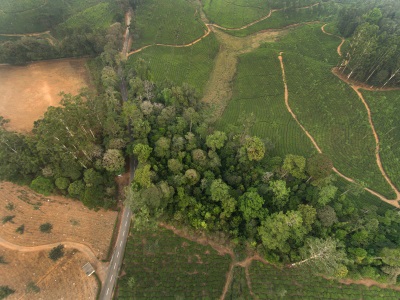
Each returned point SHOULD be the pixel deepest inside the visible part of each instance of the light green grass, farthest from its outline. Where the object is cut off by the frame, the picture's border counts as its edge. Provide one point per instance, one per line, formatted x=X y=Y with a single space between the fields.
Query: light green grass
x=281 y=19
x=269 y=282
x=165 y=266
x=385 y=109
x=26 y=16
x=192 y=65
x=235 y=13
x=258 y=89
x=166 y=22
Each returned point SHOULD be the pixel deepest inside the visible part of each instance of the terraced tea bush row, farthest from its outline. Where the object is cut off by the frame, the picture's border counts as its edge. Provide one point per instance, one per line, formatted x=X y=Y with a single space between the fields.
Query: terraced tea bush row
x=385 y=109
x=236 y=13
x=166 y=22
x=161 y=265
x=258 y=89
x=192 y=65
x=269 y=282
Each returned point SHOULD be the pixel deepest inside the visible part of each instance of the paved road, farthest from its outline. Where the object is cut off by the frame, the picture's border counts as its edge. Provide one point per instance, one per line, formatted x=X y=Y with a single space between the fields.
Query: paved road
x=116 y=260
x=118 y=253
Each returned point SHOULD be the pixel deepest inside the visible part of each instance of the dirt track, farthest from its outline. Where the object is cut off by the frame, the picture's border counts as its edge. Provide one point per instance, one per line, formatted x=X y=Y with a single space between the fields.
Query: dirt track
x=391 y=202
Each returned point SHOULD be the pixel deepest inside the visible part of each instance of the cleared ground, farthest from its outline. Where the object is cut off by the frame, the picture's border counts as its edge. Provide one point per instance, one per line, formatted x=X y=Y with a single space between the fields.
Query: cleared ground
x=27 y=91
x=70 y=219
x=63 y=279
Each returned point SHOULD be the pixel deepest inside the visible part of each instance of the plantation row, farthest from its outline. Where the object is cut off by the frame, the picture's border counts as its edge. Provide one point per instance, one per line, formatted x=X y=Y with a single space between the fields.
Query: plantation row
x=385 y=115
x=269 y=282
x=192 y=65
x=161 y=265
x=166 y=22
x=258 y=90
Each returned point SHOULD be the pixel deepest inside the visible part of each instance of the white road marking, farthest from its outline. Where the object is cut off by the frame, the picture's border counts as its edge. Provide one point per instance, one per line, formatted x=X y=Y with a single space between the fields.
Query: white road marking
x=115 y=265
x=124 y=232
x=120 y=243
x=112 y=277
x=118 y=254
x=107 y=291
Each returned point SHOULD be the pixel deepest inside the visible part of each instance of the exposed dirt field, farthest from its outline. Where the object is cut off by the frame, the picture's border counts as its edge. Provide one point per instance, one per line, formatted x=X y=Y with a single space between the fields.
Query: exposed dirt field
x=63 y=279
x=71 y=221
x=27 y=91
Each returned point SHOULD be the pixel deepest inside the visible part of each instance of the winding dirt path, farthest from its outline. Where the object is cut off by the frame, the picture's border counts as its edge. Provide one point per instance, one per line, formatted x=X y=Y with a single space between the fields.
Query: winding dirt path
x=99 y=266
x=258 y=20
x=339 y=48
x=391 y=202
x=356 y=86
x=206 y=33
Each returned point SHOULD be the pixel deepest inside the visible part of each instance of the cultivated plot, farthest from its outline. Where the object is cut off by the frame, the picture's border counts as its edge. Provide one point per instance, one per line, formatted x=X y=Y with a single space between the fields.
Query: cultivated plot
x=161 y=265
x=166 y=22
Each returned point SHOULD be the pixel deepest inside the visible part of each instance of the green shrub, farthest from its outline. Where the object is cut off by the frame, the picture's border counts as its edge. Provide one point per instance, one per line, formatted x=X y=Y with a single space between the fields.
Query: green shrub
x=5 y=291
x=42 y=185
x=46 y=227
x=31 y=287
x=57 y=252
x=8 y=219
x=20 y=229
x=10 y=206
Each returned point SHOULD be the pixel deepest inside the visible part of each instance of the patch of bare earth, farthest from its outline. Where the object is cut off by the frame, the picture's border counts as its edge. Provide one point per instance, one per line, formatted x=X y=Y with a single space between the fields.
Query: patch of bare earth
x=71 y=220
x=63 y=279
x=27 y=91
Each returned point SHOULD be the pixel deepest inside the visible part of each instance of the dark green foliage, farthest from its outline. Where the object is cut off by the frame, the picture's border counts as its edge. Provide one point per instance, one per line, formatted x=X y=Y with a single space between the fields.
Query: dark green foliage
x=5 y=291
x=62 y=183
x=20 y=229
x=57 y=252
x=42 y=185
x=8 y=219
x=46 y=227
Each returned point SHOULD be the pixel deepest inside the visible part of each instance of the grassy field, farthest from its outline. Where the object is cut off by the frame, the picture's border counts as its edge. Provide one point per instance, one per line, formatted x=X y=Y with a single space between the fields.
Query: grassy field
x=192 y=65
x=166 y=22
x=280 y=19
x=25 y=16
x=161 y=265
x=385 y=109
x=235 y=13
x=269 y=282
x=258 y=89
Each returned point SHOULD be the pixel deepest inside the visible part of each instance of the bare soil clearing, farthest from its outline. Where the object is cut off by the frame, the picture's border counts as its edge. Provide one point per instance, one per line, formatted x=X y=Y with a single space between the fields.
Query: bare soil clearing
x=72 y=222
x=63 y=279
x=27 y=91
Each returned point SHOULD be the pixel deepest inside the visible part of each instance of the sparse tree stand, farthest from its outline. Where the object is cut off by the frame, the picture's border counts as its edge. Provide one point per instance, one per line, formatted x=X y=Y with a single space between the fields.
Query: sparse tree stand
x=56 y=252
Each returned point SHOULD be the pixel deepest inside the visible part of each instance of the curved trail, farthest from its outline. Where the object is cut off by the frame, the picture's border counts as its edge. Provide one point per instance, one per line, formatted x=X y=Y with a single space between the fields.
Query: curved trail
x=259 y=20
x=98 y=265
x=208 y=31
x=356 y=87
x=339 y=48
x=391 y=202
x=26 y=34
